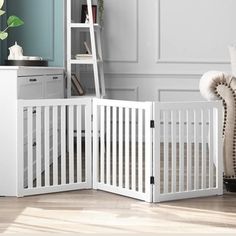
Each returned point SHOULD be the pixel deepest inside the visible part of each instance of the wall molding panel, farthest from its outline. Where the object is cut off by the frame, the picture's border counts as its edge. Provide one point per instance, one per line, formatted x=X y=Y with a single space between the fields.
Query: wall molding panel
x=131 y=93
x=118 y=33
x=217 y=39
x=170 y=93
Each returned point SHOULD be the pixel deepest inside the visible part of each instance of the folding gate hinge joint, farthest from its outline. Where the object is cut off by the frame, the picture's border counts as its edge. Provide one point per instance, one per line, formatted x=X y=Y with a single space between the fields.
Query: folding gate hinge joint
x=152 y=180
x=152 y=124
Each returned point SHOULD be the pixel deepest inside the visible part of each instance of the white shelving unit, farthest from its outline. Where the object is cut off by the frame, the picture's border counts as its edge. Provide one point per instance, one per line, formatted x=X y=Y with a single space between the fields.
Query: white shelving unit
x=96 y=57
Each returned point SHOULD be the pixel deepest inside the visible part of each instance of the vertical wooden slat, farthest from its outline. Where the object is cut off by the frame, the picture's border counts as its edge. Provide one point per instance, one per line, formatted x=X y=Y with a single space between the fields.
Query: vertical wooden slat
x=20 y=150
x=157 y=153
x=63 y=145
x=46 y=146
x=102 y=134
x=120 y=147
x=88 y=152
x=204 y=156
x=71 y=143
x=78 y=143
x=181 y=151
x=148 y=153
x=140 y=150
x=196 y=150
x=114 y=147
x=108 y=145
x=127 y=138
x=30 y=146
x=96 y=118
x=38 y=147
x=166 y=152
x=55 y=145
x=173 y=153
x=133 y=122
x=189 y=157
x=210 y=145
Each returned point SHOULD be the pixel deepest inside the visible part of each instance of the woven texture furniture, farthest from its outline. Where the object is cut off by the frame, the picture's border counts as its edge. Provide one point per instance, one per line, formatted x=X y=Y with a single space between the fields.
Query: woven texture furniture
x=215 y=85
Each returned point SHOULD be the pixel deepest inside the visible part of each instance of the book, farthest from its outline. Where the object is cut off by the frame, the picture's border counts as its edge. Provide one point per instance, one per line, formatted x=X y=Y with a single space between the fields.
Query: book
x=76 y=85
x=84 y=13
x=87 y=48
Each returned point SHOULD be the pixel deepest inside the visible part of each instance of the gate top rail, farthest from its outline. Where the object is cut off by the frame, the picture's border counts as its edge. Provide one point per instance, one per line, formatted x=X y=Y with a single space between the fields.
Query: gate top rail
x=190 y=105
x=55 y=102
x=120 y=103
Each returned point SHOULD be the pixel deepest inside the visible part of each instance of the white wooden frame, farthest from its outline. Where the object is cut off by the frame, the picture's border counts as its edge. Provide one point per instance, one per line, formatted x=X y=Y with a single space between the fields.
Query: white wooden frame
x=31 y=167
x=124 y=127
x=194 y=181
x=127 y=151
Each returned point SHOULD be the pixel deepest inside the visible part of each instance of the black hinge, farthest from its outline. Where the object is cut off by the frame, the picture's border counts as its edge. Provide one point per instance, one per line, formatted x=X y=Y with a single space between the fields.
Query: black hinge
x=152 y=124
x=152 y=180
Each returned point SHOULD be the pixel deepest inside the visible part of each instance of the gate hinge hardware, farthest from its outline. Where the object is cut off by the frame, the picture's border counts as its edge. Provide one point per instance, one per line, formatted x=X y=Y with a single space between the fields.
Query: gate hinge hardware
x=152 y=180
x=152 y=124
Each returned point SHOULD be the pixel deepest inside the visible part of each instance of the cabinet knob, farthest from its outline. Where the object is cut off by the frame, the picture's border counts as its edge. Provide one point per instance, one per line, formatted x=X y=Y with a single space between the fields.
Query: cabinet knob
x=33 y=80
x=34 y=144
x=55 y=77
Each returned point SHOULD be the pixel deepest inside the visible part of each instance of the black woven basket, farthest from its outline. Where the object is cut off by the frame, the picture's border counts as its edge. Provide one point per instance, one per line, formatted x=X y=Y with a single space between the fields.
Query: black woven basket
x=230 y=185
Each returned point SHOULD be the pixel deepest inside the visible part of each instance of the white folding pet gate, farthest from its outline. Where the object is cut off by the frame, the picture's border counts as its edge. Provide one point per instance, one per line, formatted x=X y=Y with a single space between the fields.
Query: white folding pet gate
x=145 y=150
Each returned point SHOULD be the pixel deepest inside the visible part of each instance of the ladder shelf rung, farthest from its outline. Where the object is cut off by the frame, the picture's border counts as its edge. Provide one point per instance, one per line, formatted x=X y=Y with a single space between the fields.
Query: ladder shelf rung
x=83 y=26
x=90 y=61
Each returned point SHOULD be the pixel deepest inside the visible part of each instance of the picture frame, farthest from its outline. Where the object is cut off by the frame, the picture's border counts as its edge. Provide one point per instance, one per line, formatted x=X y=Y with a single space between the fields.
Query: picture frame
x=84 y=13
x=76 y=85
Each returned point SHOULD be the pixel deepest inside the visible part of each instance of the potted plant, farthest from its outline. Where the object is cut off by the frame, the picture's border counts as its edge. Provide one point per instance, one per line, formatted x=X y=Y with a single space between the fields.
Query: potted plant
x=12 y=21
x=100 y=11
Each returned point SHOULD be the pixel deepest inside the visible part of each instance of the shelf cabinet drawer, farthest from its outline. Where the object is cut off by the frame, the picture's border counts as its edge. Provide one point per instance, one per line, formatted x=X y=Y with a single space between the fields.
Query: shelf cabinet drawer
x=54 y=86
x=30 y=87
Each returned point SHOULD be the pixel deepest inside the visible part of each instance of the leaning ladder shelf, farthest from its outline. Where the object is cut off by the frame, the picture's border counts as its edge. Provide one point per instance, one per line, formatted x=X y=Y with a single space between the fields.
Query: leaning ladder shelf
x=96 y=57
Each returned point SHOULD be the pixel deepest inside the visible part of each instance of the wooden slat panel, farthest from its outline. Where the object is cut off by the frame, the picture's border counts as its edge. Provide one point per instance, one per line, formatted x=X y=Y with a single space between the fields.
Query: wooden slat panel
x=108 y=145
x=88 y=146
x=63 y=145
x=181 y=151
x=38 y=147
x=79 y=144
x=173 y=153
x=120 y=147
x=96 y=136
x=127 y=146
x=140 y=150
x=30 y=146
x=166 y=152
x=148 y=153
x=211 y=151
x=71 y=143
x=102 y=134
x=114 y=147
x=189 y=157
x=203 y=139
x=46 y=146
x=55 y=145
x=196 y=150
x=133 y=150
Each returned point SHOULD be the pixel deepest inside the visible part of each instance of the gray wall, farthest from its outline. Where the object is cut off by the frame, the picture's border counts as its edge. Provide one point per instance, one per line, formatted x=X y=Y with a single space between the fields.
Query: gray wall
x=158 y=49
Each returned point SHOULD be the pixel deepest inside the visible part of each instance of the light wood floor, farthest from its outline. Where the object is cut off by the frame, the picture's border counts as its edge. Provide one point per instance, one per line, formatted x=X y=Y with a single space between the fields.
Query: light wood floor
x=102 y=213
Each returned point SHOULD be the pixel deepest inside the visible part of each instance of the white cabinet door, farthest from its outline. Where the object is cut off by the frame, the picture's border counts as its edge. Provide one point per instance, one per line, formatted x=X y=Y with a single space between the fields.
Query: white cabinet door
x=54 y=86
x=30 y=87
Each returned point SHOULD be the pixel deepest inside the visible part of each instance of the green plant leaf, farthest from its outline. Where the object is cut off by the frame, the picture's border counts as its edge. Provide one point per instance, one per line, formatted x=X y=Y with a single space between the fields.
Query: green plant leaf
x=3 y=35
x=14 y=21
x=2 y=12
x=1 y=3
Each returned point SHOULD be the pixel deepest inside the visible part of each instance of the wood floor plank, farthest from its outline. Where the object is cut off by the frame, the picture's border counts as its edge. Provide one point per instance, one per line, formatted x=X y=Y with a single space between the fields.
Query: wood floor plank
x=98 y=212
